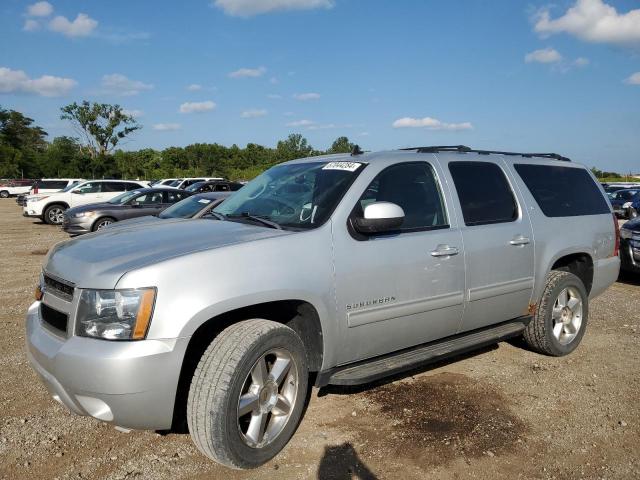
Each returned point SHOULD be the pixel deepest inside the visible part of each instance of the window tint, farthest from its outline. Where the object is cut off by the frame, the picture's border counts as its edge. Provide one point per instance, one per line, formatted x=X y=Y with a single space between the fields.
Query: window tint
x=484 y=193
x=113 y=187
x=413 y=187
x=131 y=186
x=563 y=191
x=173 y=197
x=151 y=198
x=221 y=187
x=236 y=186
x=52 y=184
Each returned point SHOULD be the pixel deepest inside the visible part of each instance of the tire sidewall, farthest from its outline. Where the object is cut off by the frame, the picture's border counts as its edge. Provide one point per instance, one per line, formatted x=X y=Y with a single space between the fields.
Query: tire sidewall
x=96 y=226
x=47 y=219
x=241 y=453
x=569 y=280
x=4 y=194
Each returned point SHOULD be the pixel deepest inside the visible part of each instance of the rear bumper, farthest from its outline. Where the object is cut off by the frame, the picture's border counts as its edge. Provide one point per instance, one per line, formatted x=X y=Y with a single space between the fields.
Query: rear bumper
x=605 y=273
x=130 y=384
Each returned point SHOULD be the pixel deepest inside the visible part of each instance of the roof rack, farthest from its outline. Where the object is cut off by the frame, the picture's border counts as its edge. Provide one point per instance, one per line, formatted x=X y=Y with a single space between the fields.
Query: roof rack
x=465 y=149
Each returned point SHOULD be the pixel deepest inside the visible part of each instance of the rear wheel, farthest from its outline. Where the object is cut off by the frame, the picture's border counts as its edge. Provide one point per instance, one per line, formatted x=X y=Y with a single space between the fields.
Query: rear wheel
x=561 y=317
x=4 y=194
x=248 y=393
x=54 y=214
x=103 y=222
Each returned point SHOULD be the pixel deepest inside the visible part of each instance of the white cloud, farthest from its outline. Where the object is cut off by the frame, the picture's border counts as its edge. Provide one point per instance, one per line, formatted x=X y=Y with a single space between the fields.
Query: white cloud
x=274 y=81
x=118 y=84
x=301 y=123
x=82 y=26
x=324 y=126
x=593 y=21
x=167 y=127
x=364 y=134
x=247 y=8
x=194 y=87
x=274 y=96
x=133 y=113
x=306 y=96
x=634 y=79
x=40 y=9
x=430 y=124
x=17 y=81
x=197 y=107
x=581 y=62
x=248 y=72
x=31 y=25
x=253 y=113
x=545 y=55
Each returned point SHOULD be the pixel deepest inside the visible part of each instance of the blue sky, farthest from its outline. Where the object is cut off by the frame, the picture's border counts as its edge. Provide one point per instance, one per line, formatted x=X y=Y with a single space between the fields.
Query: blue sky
x=501 y=75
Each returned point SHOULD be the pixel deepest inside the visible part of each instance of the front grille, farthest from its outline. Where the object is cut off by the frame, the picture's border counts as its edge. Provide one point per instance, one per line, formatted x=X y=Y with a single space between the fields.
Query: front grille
x=54 y=318
x=58 y=288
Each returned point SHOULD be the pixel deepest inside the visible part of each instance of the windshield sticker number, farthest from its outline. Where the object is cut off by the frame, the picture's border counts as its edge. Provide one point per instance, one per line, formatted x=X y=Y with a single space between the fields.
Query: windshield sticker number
x=346 y=166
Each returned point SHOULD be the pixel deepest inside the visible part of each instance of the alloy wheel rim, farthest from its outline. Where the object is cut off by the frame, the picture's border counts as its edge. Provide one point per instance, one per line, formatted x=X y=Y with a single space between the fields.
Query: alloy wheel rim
x=56 y=215
x=103 y=224
x=567 y=315
x=267 y=398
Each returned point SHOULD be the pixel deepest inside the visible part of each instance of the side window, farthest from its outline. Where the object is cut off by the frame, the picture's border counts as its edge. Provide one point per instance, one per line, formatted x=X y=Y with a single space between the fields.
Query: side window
x=113 y=187
x=151 y=198
x=131 y=186
x=173 y=197
x=413 y=187
x=222 y=187
x=484 y=193
x=563 y=191
x=91 y=187
x=236 y=186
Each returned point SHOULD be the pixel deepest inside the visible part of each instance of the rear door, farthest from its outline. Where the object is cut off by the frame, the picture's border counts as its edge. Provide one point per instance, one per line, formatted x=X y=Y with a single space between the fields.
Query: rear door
x=498 y=243
x=398 y=290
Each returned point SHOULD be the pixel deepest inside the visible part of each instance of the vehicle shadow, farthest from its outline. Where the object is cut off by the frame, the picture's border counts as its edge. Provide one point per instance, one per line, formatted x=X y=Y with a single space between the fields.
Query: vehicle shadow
x=341 y=462
x=348 y=389
x=629 y=278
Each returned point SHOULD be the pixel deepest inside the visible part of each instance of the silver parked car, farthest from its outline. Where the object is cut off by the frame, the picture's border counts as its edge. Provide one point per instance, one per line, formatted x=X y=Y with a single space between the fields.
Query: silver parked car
x=337 y=270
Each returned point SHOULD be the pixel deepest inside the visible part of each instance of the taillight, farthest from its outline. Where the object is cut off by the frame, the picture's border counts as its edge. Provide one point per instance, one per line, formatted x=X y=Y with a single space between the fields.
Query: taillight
x=616 y=246
x=35 y=189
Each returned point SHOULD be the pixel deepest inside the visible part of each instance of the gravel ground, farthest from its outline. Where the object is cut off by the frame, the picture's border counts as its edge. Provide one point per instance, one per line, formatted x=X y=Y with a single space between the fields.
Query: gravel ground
x=503 y=412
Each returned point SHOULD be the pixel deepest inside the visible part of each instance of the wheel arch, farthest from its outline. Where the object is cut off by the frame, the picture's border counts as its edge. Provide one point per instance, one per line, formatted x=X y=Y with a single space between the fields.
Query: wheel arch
x=300 y=315
x=580 y=264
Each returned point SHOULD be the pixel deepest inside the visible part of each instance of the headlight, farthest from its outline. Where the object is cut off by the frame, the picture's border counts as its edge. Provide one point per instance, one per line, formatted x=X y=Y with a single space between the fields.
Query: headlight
x=84 y=214
x=627 y=205
x=115 y=314
x=625 y=233
x=36 y=199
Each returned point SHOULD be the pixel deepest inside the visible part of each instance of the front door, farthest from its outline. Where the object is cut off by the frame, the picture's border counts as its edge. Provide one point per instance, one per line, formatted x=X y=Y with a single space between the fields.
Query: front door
x=399 y=290
x=498 y=244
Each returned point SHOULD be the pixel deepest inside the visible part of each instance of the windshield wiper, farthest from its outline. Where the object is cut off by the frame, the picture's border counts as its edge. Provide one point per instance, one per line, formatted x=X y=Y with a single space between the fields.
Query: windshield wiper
x=219 y=216
x=257 y=218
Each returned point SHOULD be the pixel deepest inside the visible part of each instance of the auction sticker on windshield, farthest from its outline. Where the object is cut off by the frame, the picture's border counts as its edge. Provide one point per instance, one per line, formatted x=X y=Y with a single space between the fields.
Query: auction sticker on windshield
x=346 y=166
x=204 y=200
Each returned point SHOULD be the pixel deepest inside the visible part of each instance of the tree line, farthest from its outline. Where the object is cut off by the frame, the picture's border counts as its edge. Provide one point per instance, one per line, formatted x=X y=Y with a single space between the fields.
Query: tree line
x=26 y=152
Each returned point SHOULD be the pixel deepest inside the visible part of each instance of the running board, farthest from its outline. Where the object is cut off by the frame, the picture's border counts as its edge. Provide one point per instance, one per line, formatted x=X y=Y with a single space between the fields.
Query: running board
x=379 y=367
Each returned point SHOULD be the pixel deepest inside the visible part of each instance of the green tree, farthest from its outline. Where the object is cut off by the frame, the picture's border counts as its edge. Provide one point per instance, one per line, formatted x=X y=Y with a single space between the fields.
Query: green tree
x=341 y=145
x=295 y=146
x=101 y=126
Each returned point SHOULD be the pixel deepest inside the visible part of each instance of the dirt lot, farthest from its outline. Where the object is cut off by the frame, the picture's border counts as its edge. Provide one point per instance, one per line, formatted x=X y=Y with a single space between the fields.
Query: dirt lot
x=503 y=412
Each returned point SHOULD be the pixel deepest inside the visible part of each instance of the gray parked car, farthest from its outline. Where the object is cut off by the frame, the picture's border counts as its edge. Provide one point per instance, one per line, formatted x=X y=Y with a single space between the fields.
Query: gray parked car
x=136 y=203
x=337 y=270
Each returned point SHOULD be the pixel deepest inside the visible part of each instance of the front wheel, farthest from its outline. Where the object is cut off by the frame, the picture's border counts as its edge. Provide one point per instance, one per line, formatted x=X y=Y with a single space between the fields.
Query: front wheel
x=4 y=194
x=103 y=222
x=561 y=317
x=248 y=393
x=54 y=215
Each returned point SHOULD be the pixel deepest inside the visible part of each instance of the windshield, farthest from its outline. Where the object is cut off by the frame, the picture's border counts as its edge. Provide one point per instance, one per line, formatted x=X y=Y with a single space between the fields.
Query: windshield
x=69 y=187
x=124 y=197
x=186 y=208
x=175 y=183
x=298 y=195
x=194 y=187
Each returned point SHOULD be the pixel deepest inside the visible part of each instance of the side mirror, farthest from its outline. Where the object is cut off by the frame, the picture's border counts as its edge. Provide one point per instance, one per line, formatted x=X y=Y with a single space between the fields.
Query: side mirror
x=380 y=217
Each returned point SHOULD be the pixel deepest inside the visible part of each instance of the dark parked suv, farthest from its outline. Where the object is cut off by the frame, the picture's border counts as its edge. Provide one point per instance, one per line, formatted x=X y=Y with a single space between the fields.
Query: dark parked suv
x=136 y=203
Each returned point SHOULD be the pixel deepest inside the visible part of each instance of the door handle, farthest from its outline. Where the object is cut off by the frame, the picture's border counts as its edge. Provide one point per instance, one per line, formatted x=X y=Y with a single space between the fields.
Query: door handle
x=520 y=240
x=444 y=251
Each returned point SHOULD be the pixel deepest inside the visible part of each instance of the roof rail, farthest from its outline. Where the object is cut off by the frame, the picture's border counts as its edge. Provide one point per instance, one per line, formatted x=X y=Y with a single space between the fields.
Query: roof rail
x=465 y=149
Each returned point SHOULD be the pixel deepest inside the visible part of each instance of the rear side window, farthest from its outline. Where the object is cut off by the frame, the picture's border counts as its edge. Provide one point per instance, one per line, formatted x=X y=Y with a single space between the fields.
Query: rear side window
x=113 y=187
x=484 y=193
x=563 y=191
x=52 y=184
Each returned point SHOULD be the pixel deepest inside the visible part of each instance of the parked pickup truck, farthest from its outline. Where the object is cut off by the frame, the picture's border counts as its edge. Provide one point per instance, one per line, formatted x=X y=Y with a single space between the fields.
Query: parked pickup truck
x=338 y=269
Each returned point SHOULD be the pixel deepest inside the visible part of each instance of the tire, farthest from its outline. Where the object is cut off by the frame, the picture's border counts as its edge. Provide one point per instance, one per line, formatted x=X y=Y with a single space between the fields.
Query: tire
x=229 y=369
x=4 y=194
x=633 y=213
x=102 y=222
x=554 y=329
x=53 y=214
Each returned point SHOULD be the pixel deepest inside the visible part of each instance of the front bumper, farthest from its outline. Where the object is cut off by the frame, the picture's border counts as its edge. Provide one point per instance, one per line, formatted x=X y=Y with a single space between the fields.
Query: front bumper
x=130 y=384
x=77 y=226
x=630 y=255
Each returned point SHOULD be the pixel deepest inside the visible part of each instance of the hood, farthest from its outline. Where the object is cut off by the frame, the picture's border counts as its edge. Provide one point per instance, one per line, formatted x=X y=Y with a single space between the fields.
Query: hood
x=92 y=206
x=633 y=225
x=99 y=259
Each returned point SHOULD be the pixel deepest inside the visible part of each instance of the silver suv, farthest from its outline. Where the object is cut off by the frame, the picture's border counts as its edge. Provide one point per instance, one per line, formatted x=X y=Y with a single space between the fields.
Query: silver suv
x=328 y=270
